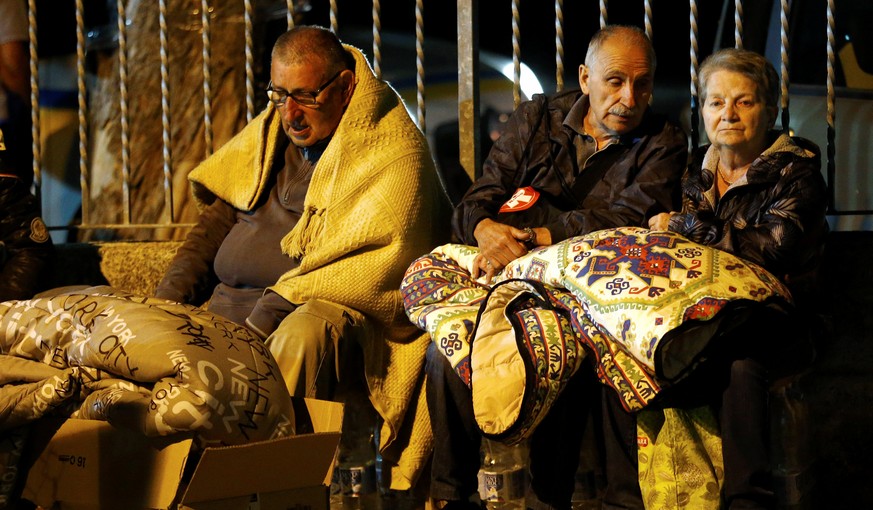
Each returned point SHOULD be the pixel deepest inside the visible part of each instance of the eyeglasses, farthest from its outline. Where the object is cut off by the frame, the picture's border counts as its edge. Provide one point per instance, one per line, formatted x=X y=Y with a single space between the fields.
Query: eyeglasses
x=301 y=97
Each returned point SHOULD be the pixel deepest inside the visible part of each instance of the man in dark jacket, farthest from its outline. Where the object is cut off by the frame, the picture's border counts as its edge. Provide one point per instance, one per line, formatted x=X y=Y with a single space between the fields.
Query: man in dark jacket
x=566 y=165
x=578 y=161
x=25 y=246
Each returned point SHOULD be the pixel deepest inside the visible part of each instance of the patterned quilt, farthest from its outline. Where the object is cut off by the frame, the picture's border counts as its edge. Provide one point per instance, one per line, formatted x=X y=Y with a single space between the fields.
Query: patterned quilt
x=143 y=363
x=646 y=305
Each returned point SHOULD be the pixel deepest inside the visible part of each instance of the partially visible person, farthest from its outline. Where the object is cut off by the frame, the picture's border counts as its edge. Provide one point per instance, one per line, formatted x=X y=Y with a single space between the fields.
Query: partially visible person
x=25 y=246
x=314 y=211
x=566 y=165
x=15 y=87
x=759 y=194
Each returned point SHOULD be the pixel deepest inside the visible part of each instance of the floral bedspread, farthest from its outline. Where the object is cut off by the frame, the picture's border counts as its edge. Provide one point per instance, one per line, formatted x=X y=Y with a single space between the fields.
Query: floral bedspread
x=645 y=304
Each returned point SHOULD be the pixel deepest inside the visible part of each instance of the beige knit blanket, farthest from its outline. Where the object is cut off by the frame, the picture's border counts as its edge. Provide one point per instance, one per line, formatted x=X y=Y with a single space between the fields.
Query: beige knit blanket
x=373 y=206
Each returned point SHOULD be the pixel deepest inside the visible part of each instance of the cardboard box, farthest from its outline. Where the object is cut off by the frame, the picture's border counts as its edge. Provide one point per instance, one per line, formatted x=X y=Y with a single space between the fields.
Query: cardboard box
x=89 y=464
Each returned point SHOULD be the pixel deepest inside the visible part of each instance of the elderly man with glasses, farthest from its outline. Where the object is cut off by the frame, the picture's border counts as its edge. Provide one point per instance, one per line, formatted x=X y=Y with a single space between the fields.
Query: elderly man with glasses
x=310 y=216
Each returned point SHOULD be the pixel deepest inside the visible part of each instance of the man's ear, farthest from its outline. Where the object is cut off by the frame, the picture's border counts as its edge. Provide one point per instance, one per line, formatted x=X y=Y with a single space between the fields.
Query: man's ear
x=349 y=82
x=583 y=78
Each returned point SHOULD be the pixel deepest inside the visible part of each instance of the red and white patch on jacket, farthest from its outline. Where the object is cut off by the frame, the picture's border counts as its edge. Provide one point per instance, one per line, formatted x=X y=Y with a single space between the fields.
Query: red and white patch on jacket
x=523 y=198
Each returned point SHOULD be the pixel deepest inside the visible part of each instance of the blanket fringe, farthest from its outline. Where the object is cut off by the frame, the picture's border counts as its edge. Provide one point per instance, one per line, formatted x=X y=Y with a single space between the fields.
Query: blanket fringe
x=303 y=234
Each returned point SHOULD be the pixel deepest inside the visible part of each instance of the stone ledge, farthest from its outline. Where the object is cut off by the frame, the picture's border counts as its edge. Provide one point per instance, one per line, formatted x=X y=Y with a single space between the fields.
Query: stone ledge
x=134 y=266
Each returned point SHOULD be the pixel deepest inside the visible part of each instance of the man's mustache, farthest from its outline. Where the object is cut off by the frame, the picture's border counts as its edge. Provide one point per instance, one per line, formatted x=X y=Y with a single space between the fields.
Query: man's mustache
x=623 y=111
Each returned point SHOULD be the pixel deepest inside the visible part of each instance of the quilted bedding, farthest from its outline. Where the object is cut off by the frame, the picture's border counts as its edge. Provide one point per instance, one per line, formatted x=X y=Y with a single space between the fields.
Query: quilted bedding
x=645 y=305
x=147 y=364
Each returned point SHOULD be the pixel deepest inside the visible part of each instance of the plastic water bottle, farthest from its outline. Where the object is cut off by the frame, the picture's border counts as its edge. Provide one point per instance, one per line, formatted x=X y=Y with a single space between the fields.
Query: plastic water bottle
x=354 y=484
x=503 y=475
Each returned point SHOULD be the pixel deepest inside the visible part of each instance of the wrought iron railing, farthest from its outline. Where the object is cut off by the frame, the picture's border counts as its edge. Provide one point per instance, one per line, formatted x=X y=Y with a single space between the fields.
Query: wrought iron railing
x=468 y=86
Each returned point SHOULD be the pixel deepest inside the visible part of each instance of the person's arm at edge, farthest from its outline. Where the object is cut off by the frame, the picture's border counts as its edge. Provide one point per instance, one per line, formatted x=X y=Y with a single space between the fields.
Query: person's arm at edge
x=27 y=258
x=14 y=69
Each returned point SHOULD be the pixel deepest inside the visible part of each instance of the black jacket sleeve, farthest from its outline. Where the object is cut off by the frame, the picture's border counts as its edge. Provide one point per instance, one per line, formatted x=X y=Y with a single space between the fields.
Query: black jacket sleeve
x=191 y=277
x=502 y=172
x=25 y=246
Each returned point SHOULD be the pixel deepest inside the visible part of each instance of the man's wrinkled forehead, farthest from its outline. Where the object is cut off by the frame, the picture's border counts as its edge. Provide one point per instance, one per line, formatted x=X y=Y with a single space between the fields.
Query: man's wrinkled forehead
x=622 y=63
x=622 y=46
x=287 y=59
x=293 y=74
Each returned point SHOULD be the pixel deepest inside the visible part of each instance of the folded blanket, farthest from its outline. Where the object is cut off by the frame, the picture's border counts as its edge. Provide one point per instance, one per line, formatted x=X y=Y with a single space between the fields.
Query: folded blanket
x=525 y=352
x=156 y=367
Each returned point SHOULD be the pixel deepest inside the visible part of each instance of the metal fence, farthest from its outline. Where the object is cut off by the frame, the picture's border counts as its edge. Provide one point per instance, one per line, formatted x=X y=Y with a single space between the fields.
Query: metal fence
x=469 y=26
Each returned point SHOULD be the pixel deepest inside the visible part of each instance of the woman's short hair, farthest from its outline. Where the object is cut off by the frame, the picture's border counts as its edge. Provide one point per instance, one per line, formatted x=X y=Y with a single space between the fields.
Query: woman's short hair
x=748 y=63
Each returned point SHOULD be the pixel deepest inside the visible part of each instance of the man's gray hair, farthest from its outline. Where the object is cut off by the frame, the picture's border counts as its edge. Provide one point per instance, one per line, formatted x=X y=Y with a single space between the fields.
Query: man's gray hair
x=748 y=63
x=627 y=34
x=305 y=43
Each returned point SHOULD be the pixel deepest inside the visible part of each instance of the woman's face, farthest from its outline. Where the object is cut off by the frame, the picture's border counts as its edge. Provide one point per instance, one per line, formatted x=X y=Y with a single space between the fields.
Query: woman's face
x=734 y=114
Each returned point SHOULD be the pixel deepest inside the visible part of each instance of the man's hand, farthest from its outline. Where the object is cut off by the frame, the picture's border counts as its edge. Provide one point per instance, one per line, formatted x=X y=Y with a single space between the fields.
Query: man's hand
x=499 y=244
x=660 y=221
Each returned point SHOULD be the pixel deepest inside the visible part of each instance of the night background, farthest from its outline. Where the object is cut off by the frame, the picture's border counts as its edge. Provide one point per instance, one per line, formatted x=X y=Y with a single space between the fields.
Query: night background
x=837 y=393
x=670 y=25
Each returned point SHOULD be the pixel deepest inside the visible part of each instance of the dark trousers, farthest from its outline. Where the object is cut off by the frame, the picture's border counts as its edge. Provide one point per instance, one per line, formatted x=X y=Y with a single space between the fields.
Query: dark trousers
x=758 y=345
x=554 y=445
x=738 y=391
